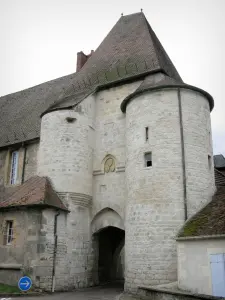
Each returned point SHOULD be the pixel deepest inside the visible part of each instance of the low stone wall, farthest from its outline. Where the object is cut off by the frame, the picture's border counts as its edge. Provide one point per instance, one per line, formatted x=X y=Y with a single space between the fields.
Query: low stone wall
x=10 y=274
x=160 y=293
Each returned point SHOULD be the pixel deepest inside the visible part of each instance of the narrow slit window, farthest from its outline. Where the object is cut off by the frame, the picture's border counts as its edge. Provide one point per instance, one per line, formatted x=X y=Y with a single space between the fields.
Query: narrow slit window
x=146 y=134
x=209 y=161
x=9 y=232
x=148 y=159
x=14 y=167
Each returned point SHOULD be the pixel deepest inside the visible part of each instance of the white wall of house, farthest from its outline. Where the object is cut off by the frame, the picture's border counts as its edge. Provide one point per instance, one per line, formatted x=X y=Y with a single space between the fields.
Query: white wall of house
x=194 y=267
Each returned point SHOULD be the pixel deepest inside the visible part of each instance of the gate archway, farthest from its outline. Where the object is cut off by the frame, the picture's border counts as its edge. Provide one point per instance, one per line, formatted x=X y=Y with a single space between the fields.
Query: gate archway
x=110 y=254
x=109 y=239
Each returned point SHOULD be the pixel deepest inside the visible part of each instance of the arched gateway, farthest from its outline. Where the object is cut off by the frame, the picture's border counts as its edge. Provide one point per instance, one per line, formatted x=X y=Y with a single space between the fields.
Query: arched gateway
x=109 y=238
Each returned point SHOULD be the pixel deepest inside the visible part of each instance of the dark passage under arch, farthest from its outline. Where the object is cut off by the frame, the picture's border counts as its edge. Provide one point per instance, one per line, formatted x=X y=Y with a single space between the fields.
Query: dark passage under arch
x=111 y=254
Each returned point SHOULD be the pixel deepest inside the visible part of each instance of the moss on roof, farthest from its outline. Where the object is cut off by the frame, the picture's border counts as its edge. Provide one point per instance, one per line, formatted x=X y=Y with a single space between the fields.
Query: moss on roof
x=210 y=220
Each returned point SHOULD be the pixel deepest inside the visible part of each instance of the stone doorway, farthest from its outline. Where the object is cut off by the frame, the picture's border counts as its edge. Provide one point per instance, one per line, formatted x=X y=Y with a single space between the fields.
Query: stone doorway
x=110 y=254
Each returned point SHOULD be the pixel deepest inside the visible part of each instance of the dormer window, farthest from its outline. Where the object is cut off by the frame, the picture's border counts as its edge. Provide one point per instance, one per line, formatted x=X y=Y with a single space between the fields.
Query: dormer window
x=14 y=167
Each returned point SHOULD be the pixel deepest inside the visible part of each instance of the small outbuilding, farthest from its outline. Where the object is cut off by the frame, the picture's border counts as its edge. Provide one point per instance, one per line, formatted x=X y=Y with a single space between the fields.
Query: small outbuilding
x=201 y=247
x=31 y=220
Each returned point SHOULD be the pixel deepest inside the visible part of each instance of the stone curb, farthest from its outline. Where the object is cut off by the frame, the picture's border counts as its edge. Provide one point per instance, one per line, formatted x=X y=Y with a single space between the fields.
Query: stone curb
x=179 y=293
x=4 y=295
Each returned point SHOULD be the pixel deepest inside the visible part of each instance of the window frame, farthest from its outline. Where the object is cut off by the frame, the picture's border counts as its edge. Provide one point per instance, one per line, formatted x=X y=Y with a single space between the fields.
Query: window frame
x=14 y=163
x=9 y=232
x=147 y=160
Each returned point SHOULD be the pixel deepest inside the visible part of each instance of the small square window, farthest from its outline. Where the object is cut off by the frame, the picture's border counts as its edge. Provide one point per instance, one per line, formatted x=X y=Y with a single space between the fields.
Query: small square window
x=148 y=159
x=8 y=237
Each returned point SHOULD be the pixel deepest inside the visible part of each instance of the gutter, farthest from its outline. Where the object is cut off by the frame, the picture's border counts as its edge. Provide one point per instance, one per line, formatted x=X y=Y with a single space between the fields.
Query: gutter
x=55 y=250
x=183 y=154
x=21 y=143
x=200 y=237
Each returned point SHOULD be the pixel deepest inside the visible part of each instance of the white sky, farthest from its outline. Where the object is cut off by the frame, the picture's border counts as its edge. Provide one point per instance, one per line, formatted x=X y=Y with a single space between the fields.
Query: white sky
x=39 y=40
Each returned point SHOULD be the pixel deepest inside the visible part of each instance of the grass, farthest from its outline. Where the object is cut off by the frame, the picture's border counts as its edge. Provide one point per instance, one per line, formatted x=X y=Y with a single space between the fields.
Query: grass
x=4 y=288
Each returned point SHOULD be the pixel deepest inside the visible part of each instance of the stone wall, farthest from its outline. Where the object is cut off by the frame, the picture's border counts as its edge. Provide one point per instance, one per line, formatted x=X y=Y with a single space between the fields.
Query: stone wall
x=110 y=188
x=32 y=250
x=46 y=245
x=73 y=146
x=194 y=269
x=13 y=261
x=30 y=167
x=31 y=160
x=155 y=208
x=66 y=157
x=155 y=201
x=66 y=149
x=198 y=146
x=162 y=293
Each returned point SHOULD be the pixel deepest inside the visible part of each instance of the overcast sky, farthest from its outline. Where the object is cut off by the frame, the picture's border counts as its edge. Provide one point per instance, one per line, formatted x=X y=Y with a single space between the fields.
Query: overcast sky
x=40 y=40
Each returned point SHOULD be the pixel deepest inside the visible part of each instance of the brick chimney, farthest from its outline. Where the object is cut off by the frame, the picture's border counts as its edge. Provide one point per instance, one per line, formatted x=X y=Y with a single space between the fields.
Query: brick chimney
x=82 y=58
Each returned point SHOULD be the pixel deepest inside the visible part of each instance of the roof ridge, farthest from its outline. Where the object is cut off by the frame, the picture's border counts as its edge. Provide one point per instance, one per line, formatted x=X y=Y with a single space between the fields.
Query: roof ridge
x=149 y=27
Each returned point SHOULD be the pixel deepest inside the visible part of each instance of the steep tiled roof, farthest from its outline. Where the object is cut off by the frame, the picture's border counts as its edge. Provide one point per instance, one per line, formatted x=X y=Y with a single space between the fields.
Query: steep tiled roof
x=36 y=191
x=130 y=50
x=208 y=221
x=219 y=161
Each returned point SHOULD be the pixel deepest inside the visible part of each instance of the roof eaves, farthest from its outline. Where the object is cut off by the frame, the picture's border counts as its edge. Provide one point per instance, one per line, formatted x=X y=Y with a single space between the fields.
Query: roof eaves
x=36 y=206
x=201 y=237
x=163 y=86
x=104 y=86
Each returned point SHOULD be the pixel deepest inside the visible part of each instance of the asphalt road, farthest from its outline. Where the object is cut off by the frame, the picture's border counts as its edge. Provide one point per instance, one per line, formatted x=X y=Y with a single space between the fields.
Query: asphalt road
x=108 y=292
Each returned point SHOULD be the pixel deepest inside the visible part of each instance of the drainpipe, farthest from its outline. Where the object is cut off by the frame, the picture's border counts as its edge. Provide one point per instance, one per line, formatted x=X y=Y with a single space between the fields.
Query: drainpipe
x=183 y=156
x=24 y=163
x=55 y=250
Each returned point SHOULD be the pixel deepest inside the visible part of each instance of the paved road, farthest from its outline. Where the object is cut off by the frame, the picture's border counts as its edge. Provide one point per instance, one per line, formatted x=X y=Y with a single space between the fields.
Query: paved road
x=108 y=292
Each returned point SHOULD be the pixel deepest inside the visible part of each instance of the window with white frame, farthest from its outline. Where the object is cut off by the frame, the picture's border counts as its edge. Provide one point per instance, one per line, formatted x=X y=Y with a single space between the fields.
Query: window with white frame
x=14 y=167
x=9 y=232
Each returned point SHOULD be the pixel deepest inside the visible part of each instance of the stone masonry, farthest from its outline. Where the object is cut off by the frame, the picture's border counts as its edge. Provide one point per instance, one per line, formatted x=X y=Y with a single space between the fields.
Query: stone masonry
x=127 y=147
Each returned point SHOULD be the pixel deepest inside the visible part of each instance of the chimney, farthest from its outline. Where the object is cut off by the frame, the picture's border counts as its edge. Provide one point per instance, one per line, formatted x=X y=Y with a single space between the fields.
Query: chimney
x=82 y=58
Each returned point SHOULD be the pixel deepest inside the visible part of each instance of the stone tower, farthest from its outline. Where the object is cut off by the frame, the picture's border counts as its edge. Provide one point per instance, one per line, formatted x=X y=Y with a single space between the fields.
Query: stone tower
x=128 y=103
x=169 y=173
x=65 y=156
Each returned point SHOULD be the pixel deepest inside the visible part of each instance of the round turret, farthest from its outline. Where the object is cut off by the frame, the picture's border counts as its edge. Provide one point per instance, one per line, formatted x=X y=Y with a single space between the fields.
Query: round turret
x=65 y=156
x=170 y=175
